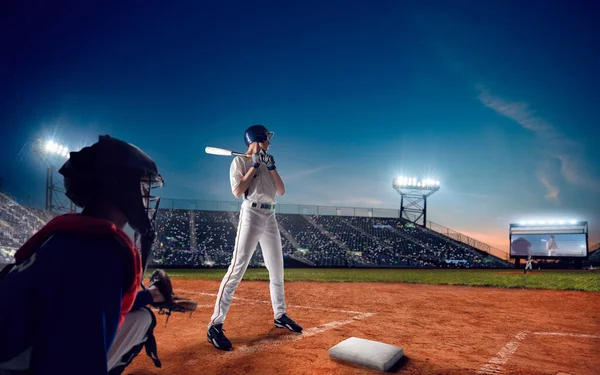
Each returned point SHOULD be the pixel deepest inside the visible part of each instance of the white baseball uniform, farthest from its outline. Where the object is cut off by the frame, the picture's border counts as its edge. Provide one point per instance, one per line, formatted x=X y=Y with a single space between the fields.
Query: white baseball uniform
x=551 y=246
x=528 y=264
x=256 y=225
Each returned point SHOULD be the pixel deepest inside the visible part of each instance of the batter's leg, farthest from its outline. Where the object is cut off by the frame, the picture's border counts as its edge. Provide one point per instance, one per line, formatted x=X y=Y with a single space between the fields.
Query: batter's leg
x=273 y=255
x=250 y=229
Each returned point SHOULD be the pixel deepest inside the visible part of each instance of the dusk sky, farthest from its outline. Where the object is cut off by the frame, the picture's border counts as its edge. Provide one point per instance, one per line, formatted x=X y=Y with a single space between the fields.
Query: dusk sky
x=494 y=99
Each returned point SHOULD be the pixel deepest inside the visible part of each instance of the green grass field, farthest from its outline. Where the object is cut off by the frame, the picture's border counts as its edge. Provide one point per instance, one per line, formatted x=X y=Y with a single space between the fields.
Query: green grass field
x=583 y=280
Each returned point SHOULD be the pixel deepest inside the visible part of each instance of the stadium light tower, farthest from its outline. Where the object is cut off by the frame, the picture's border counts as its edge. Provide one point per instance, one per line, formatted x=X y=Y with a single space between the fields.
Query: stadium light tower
x=53 y=154
x=413 y=197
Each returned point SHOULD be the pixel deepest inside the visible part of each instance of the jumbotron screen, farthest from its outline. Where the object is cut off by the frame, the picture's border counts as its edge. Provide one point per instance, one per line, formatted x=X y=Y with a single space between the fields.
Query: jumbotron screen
x=549 y=245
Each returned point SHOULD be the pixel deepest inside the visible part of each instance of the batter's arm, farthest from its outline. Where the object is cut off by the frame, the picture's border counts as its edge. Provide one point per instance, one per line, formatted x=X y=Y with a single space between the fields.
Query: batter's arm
x=279 y=186
x=245 y=182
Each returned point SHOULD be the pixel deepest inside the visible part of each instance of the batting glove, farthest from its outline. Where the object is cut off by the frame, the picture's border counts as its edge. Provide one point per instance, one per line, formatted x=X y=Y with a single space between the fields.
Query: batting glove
x=256 y=160
x=270 y=162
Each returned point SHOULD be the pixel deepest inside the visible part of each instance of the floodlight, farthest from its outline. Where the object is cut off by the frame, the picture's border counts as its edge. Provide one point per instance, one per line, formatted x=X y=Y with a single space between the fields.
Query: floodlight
x=573 y=222
x=552 y=222
x=437 y=183
x=561 y=222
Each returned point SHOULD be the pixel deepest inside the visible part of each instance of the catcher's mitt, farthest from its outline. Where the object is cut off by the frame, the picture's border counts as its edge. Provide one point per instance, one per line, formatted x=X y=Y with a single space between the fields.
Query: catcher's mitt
x=161 y=281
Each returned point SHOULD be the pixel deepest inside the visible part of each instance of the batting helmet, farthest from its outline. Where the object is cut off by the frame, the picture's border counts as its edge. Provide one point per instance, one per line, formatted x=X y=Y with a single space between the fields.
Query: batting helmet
x=118 y=172
x=257 y=133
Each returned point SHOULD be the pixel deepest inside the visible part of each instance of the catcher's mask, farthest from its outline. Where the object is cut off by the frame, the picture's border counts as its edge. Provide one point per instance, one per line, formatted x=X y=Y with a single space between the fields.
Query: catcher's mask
x=120 y=173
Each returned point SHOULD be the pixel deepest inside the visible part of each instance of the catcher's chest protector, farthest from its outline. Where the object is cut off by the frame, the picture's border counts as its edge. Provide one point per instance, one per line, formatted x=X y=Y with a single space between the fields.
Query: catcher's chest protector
x=86 y=225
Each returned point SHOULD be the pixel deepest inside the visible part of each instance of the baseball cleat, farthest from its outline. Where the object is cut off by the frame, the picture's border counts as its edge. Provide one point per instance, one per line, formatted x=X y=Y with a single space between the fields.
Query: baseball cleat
x=216 y=337
x=285 y=322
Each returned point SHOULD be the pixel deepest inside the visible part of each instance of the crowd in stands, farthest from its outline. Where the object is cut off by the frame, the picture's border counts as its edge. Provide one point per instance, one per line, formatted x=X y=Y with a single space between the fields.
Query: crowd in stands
x=17 y=222
x=6 y=255
x=192 y=238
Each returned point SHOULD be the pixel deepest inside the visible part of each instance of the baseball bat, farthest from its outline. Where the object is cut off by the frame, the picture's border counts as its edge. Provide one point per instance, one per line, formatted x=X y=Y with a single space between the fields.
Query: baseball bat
x=223 y=152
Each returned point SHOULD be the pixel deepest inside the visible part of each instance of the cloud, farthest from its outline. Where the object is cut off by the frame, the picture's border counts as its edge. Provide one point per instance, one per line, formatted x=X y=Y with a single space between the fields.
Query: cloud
x=574 y=171
x=553 y=191
x=519 y=112
x=556 y=145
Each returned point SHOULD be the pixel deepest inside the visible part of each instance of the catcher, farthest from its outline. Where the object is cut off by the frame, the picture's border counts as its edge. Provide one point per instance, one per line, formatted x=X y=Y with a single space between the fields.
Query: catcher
x=71 y=303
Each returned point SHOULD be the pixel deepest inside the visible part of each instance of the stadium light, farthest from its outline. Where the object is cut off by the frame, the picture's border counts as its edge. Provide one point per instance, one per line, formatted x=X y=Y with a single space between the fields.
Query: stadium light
x=547 y=222
x=53 y=154
x=416 y=183
x=56 y=149
x=414 y=193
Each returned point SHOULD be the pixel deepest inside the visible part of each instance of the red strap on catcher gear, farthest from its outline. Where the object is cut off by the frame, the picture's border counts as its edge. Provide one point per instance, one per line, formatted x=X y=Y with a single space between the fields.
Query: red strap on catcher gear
x=88 y=225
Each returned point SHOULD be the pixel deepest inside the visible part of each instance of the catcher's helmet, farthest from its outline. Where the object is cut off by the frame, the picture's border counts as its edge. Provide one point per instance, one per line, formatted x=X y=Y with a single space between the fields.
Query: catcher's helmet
x=257 y=133
x=118 y=172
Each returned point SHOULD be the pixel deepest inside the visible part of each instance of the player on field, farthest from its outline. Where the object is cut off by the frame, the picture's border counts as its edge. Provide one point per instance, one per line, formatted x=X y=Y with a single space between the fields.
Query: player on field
x=255 y=179
x=71 y=303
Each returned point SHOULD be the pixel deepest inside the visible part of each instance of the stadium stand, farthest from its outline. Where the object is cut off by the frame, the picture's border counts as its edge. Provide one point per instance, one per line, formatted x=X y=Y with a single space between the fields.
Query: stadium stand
x=17 y=222
x=593 y=256
x=206 y=238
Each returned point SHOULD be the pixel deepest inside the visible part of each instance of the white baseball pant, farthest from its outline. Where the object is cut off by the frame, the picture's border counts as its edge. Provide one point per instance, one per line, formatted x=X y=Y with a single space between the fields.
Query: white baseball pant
x=255 y=225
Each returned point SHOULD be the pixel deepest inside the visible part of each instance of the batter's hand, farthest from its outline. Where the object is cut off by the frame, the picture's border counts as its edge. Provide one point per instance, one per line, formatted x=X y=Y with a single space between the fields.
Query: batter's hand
x=256 y=160
x=269 y=161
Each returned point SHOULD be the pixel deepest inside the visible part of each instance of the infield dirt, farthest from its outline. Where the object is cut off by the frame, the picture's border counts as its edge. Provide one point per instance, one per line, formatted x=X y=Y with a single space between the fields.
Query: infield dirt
x=442 y=329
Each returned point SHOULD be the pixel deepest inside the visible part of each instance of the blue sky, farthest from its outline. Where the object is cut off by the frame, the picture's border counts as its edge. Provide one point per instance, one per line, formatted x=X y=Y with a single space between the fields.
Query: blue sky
x=496 y=100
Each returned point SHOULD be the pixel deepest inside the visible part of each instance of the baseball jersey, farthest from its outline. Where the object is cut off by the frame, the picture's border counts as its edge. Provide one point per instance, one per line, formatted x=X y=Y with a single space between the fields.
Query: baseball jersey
x=65 y=302
x=262 y=188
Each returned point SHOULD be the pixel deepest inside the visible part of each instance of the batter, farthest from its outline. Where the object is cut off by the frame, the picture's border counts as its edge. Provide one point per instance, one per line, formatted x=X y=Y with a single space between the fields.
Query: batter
x=551 y=246
x=255 y=179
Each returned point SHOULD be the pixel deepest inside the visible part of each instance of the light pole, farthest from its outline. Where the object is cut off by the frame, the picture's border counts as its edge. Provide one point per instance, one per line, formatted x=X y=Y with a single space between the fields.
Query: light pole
x=413 y=197
x=52 y=154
